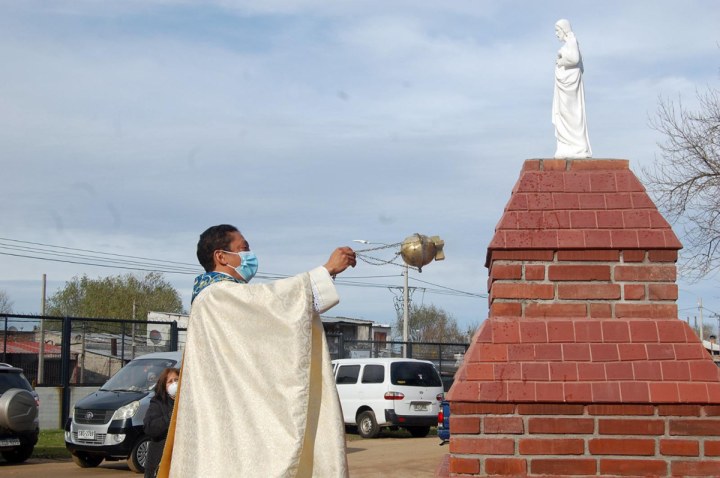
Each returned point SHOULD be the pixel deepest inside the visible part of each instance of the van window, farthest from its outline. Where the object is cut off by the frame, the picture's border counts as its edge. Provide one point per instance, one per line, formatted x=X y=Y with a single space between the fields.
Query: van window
x=414 y=374
x=373 y=374
x=347 y=374
x=138 y=375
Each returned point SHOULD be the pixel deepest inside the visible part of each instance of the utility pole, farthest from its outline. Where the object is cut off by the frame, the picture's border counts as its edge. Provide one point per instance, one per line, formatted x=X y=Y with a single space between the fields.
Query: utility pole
x=702 y=324
x=406 y=315
x=41 y=349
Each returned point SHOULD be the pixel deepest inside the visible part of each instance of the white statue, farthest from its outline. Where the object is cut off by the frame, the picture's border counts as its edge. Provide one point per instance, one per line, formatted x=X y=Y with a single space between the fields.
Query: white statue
x=568 y=110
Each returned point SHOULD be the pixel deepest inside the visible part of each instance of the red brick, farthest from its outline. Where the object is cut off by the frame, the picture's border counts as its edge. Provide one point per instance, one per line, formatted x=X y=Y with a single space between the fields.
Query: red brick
x=507 y=371
x=657 y=221
x=664 y=392
x=523 y=291
x=618 y=201
x=463 y=391
x=634 y=291
x=603 y=182
x=675 y=371
x=482 y=446
x=679 y=447
x=621 y=239
x=647 y=371
x=608 y=392
x=561 y=331
x=662 y=256
x=643 y=331
x=533 y=331
x=538 y=372
x=588 y=331
x=671 y=330
x=712 y=448
x=601 y=311
x=549 y=409
x=549 y=446
x=534 y=272
x=693 y=392
x=585 y=291
x=560 y=425
x=464 y=465
x=553 y=164
x=555 y=310
x=577 y=392
x=531 y=165
x=505 y=331
x=577 y=182
x=505 y=309
x=695 y=468
x=638 y=392
x=563 y=372
x=548 y=352
x=639 y=467
x=704 y=371
x=509 y=220
x=583 y=219
x=565 y=201
x=610 y=219
x=505 y=466
x=621 y=446
x=645 y=273
x=521 y=391
x=556 y=219
x=576 y=352
x=627 y=181
x=615 y=331
x=479 y=371
x=521 y=352
x=650 y=238
x=483 y=334
x=695 y=427
x=636 y=218
x=619 y=371
x=646 y=311
x=660 y=351
x=506 y=271
x=711 y=410
x=502 y=425
x=464 y=425
x=527 y=255
x=642 y=201
x=579 y=272
x=594 y=239
x=662 y=291
x=548 y=392
x=632 y=351
x=557 y=467
x=530 y=219
x=630 y=426
x=589 y=255
x=478 y=408
x=488 y=391
x=488 y=353
x=620 y=166
x=529 y=181
x=679 y=410
x=570 y=239
x=633 y=256
x=625 y=409
x=604 y=352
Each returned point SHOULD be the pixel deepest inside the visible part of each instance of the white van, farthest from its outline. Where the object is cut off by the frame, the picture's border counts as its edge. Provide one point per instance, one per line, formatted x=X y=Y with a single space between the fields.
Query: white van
x=388 y=392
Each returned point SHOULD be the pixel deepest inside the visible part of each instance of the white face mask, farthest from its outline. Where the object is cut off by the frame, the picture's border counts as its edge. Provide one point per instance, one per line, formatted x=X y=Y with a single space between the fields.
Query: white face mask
x=172 y=389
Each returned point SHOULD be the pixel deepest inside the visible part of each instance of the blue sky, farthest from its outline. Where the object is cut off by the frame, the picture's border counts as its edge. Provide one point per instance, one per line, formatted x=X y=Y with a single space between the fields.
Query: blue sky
x=129 y=127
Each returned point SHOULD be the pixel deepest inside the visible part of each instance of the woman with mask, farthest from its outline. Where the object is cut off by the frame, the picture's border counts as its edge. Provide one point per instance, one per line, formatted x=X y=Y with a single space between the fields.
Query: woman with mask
x=157 y=418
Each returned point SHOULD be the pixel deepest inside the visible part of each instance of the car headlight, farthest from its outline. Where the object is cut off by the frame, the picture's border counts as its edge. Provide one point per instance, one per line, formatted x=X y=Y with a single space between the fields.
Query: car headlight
x=126 y=411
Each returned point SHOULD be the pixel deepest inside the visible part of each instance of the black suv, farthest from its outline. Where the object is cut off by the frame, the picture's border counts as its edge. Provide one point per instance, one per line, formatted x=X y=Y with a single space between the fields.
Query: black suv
x=19 y=423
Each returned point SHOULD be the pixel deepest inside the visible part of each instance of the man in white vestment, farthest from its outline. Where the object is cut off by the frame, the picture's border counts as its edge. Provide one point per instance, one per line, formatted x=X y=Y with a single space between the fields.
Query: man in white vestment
x=257 y=396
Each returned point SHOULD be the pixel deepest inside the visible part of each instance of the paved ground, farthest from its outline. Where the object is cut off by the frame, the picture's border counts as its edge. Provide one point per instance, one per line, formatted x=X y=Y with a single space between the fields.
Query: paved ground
x=381 y=457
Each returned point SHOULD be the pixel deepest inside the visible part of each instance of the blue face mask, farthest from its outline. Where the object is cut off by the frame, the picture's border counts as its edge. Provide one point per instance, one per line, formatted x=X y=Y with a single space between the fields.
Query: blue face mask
x=248 y=264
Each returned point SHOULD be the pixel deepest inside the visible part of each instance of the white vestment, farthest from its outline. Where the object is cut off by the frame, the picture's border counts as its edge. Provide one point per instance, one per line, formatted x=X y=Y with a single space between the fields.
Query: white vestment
x=568 y=109
x=257 y=396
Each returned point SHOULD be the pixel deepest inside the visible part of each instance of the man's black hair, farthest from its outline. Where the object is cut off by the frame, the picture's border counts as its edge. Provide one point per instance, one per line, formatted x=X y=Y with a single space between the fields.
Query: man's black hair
x=214 y=238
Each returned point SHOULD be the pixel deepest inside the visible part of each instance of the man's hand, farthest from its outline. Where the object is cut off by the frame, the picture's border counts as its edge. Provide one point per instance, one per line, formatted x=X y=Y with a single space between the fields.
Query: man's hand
x=340 y=259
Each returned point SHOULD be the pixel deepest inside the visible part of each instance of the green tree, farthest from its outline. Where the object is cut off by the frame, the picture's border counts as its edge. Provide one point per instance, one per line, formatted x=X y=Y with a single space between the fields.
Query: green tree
x=5 y=303
x=686 y=180
x=113 y=297
x=428 y=323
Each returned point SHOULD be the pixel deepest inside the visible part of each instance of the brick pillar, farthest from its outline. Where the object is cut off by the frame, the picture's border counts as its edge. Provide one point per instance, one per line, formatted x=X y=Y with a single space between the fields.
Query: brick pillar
x=583 y=368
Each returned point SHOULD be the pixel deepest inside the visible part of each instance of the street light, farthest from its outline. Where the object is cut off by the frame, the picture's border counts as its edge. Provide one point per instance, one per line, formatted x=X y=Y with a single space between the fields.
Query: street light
x=417 y=251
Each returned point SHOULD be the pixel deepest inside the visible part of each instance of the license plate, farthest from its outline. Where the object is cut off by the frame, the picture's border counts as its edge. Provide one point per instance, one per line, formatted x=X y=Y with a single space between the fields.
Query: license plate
x=86 y=434
x=10 y=442
x=420 y=407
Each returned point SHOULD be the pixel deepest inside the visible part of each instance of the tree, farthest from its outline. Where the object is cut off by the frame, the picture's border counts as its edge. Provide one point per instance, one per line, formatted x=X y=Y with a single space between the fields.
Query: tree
x=114 y=297
x=686 y=182
x=5 y=303
x=428 y=323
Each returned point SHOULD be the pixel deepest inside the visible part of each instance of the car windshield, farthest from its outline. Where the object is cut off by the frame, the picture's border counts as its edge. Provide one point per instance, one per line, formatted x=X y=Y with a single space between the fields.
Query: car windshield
x=138 y=376
x=414 y=374
x=10 y=380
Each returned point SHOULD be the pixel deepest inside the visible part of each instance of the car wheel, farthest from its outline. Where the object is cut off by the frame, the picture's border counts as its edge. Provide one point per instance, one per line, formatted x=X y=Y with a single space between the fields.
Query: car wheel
x=419 y=432
x=86 y=461
x=138 y=455
x=367 y=425
x=18 y=455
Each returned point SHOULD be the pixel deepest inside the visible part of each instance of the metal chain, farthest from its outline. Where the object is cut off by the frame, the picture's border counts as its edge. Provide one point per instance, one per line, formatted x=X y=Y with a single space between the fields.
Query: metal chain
x=376 y=261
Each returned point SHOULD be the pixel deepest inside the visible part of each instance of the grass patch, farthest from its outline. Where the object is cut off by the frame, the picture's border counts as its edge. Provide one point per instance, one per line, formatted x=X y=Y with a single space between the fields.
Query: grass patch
x=51 y=444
